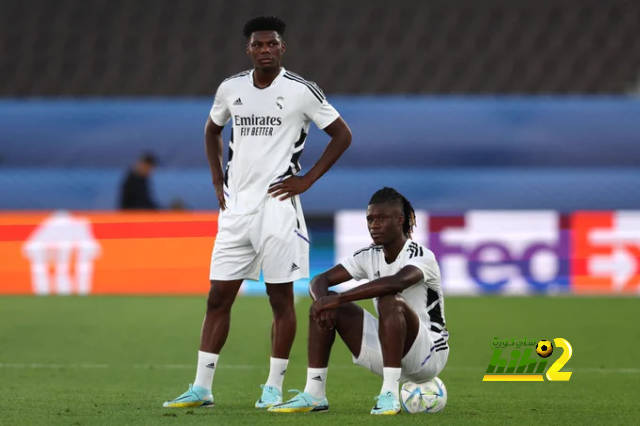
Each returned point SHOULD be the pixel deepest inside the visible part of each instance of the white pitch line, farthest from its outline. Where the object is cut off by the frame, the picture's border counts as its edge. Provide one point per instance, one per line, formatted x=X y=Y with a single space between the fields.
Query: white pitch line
x=193 y=366
x=613 y=370
x=89 y=366
x=55 y=366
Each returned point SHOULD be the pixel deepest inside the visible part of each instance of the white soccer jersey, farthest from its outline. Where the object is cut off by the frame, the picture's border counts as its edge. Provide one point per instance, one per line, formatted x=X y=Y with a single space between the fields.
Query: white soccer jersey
x=425 y=297
x=270 y=126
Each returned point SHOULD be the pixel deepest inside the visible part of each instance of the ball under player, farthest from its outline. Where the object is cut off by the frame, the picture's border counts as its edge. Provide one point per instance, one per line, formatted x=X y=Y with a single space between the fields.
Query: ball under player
x=408 y=341
x=261 y=226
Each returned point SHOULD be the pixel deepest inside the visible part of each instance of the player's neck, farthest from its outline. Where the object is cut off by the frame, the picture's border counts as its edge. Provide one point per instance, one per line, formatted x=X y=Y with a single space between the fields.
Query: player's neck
x=392 y=250
x=263 y=78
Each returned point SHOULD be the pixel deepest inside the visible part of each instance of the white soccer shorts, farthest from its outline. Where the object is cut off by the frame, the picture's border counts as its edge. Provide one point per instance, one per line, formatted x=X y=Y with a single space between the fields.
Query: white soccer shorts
x=424 y=361
x=274 y=240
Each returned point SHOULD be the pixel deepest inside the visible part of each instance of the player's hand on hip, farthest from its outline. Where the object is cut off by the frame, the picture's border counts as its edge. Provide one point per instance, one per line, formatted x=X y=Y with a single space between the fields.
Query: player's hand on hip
x=289 y=187
x=220 y=194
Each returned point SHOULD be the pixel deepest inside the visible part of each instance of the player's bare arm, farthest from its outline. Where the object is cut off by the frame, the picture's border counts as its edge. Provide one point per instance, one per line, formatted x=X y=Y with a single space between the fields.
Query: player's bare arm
x=320 y=284
x=340 y=141
x=405 y=278
x=319 y=287
x=213 y=148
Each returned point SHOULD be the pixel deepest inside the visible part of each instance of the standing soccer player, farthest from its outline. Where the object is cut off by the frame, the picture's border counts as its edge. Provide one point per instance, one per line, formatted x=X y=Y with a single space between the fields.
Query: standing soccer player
x=261 y=225
x=408 y=341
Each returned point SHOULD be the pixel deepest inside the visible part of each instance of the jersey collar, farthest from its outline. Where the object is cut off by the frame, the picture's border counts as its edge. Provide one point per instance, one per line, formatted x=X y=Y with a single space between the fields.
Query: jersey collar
x=404 y=249
x=275 y=81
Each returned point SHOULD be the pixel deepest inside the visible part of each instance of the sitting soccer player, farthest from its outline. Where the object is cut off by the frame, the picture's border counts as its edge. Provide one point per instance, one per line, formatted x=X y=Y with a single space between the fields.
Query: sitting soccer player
x=408 y=340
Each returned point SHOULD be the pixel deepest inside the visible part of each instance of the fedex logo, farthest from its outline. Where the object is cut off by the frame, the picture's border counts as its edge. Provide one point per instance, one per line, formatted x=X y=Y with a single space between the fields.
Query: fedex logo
x=520 y=252
x=507 y=252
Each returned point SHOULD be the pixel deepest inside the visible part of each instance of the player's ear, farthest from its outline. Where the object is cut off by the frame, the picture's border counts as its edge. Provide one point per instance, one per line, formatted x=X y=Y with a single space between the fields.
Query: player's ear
x=284 y=46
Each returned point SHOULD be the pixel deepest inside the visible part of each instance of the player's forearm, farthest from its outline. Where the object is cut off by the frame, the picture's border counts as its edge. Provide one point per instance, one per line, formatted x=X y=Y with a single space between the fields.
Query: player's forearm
x=377 y=288
x=337 y=146
x=319 y=287
x=213 y=148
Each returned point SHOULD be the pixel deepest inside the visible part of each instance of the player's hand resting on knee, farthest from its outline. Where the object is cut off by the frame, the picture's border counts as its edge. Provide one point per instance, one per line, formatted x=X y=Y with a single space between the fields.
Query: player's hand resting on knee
x=294 y=185
x=327 y=319
x=324 y=304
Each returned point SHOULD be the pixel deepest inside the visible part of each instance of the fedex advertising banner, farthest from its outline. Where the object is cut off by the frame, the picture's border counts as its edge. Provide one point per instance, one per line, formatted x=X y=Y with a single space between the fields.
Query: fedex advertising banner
x=479 y=252
x=521 y=252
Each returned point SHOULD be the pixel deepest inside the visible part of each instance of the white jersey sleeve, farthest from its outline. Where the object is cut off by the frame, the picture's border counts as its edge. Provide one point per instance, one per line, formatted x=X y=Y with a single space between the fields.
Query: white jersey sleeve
x=316 y=107
x=428 y=266
x=220 y=113
x=356 y=265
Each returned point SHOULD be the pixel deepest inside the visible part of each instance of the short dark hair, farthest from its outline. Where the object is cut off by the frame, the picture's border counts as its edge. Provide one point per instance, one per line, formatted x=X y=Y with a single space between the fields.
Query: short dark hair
x=391 y=196
x=264 y=23
x=149 y=158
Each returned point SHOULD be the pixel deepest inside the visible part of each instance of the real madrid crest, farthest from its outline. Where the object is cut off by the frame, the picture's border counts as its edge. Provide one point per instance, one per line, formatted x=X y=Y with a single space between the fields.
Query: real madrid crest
x=280 y=102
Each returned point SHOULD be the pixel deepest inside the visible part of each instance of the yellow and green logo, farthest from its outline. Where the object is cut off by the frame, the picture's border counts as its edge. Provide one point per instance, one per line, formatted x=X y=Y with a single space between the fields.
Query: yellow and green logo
x=523 y=364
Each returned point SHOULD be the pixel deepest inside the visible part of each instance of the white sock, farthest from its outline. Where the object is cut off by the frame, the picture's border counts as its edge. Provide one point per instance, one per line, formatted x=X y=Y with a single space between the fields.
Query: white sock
x=391 y=381
x=316 y=382
x=276 y=372
x=207 y=364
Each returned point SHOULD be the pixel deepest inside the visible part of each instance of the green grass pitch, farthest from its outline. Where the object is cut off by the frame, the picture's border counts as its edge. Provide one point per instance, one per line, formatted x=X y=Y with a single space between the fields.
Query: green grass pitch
x=114 y=360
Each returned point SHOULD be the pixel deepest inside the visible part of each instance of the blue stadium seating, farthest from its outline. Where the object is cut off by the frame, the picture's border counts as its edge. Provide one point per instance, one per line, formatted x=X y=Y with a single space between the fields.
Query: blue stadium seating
x=446 y=154
x=388 y=132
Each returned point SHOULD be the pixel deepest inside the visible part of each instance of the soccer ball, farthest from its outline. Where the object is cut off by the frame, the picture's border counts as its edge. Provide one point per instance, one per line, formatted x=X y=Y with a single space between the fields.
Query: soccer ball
x=427 y=397
x=544 y=348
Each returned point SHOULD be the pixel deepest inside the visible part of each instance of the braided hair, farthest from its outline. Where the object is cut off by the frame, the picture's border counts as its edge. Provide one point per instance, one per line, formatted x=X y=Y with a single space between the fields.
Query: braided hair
x=391 y=196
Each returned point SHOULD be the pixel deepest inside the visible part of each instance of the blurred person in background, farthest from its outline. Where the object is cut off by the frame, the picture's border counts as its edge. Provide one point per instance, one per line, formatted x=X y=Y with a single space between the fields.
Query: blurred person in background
x=134 y=191
x=178 y=204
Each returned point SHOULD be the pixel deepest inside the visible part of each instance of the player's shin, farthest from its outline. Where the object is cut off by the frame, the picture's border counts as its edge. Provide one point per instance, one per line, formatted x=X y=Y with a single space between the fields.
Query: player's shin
x=321 y=338
x=392 y=330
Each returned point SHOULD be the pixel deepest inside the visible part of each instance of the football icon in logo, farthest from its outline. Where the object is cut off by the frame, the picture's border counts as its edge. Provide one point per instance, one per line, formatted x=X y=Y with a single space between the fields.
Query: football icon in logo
x=544 y=348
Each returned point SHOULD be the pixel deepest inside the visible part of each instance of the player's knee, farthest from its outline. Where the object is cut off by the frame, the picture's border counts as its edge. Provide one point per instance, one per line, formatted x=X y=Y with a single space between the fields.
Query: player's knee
x=219 y=301
x=216 y=305
x=281 y=302
x=338 y=309
x=282 y=307
x=389 y=305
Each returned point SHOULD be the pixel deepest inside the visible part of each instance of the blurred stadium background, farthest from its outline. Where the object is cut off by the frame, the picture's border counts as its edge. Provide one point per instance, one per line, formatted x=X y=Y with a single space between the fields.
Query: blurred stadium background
x=512 y=126
x=526 y=108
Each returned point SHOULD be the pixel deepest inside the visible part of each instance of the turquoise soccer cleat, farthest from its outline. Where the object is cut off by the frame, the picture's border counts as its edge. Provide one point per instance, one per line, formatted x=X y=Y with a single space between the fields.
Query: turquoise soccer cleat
x=301 y=403
x=270 y=397
x=387 y=405
x=196 y=396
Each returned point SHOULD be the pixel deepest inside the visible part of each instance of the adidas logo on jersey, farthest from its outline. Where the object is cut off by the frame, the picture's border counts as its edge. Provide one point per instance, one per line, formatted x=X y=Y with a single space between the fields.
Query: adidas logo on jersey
x=238 y=102
x=294 y=267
